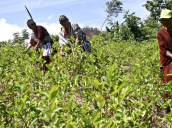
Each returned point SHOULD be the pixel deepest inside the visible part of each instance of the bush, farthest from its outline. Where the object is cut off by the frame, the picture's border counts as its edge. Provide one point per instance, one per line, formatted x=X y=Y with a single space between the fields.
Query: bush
x=117 y=85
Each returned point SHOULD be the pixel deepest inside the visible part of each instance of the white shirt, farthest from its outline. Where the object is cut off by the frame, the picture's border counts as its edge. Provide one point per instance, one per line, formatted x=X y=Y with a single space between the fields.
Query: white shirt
x=74 y=30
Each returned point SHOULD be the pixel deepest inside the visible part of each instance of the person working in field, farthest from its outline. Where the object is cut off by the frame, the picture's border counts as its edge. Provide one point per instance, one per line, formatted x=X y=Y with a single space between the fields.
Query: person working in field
x=71 y=29
x=165 y=44
x=40 y=38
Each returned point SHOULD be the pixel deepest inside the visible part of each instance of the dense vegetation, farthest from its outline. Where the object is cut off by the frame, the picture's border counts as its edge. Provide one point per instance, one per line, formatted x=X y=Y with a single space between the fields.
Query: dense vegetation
x=117 y=85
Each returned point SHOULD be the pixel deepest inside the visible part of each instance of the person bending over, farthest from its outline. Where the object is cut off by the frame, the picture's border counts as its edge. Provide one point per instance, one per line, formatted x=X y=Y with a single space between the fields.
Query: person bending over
x=71 y=29
x=40 y=38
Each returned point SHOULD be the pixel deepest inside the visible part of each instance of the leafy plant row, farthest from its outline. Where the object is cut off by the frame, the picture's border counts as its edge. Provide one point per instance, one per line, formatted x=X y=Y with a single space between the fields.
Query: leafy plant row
x=117 y=85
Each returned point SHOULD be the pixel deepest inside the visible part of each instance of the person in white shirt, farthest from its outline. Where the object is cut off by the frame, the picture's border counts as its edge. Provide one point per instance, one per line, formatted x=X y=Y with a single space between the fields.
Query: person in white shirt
x=71 y=29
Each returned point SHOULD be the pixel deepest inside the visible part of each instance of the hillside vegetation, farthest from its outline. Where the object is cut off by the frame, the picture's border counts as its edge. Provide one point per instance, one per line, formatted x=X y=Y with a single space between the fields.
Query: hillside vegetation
x=117 y=85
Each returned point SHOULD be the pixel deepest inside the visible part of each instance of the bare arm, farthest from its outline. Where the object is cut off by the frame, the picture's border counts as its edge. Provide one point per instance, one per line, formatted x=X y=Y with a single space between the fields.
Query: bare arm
x=61 y=51
x=77 y=38
x=39 y=42
x=28 y=48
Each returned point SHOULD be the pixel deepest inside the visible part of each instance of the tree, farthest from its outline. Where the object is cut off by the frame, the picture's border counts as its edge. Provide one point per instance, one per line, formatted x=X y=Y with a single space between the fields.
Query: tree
x=152 y=27
x=132 y=28
x=113 y=9
x=134 y=24
x=55 y=38
x=3 y=44
x=20 y=38
x=156 y=6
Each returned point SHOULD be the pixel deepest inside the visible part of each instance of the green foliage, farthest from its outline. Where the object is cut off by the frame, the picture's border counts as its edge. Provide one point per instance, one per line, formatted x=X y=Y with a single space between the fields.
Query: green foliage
x=4 y=43
x=113 y=8
x=135 y=25
x=117 y=85
x=132 y=29
x=55 y=38
x=151 y=27
x=156 y=6
x=20 y=38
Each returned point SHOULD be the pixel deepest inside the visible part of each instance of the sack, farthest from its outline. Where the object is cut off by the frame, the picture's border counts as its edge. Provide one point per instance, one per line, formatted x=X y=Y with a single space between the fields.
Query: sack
x=86 y=46
x=82 y=36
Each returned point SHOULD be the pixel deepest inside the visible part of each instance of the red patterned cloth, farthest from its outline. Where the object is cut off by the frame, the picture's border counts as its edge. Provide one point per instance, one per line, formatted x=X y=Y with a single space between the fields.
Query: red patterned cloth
x=165 y=44
x=40 y=34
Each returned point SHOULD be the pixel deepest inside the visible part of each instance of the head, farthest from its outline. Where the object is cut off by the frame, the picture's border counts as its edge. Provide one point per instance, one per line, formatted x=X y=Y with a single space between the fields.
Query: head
x=166 y=18
x=64 y=21
x=31 y=24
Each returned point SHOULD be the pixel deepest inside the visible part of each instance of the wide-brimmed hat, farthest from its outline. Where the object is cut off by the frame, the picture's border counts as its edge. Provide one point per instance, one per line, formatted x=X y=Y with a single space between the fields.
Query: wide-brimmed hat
x=166 y=14
x=62 y=17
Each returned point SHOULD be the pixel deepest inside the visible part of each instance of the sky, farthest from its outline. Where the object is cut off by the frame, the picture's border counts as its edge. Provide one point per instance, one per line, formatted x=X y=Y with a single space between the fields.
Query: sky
x=91 y=13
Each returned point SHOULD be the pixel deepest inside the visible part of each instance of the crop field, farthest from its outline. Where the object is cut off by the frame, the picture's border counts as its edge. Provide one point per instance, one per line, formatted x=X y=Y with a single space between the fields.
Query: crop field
x=117 y=85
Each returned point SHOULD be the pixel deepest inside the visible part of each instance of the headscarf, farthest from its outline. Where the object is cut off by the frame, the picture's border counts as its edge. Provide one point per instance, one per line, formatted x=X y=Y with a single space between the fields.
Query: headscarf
x=29 y=22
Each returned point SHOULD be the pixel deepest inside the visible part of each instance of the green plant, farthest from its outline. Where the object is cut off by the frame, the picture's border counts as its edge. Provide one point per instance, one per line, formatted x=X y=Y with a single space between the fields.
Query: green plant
x=117 y=85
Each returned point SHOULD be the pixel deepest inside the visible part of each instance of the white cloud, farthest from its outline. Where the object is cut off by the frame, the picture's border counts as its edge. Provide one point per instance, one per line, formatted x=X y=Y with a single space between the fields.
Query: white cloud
x=7 y=29
x=39 y=1
x=50 y=17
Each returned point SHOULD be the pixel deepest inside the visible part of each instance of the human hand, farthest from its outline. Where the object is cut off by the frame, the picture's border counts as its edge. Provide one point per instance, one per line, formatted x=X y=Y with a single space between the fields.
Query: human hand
x=25 y=51
x=62 y=53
